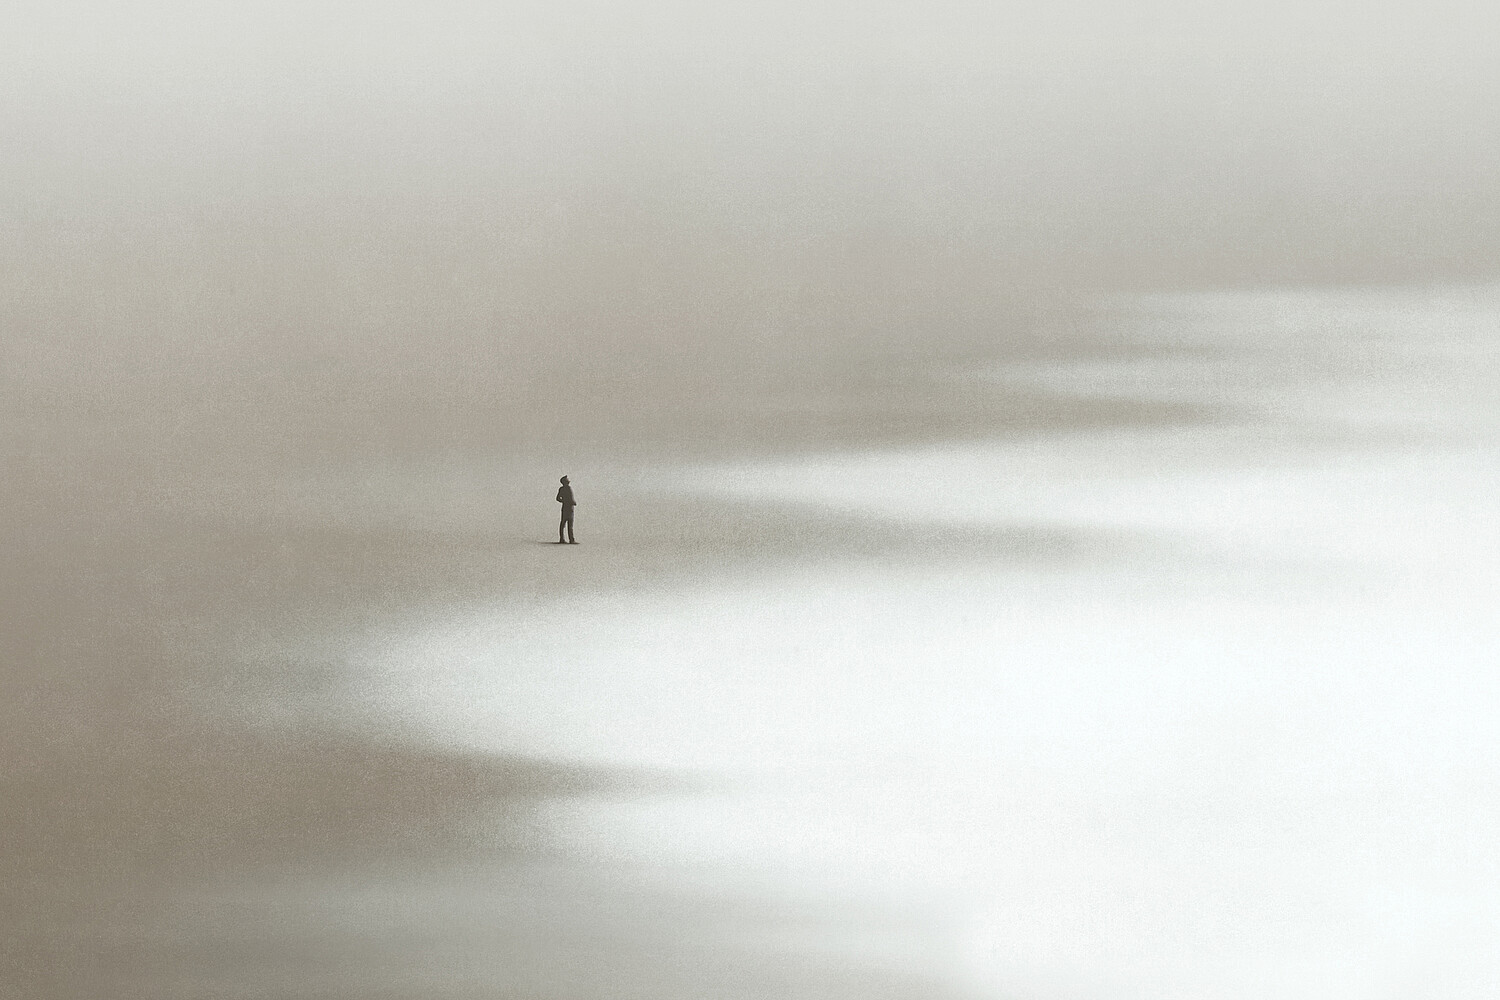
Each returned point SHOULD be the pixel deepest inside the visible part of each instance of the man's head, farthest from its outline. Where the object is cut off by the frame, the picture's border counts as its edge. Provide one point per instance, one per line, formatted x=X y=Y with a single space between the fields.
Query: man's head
x=564 y=480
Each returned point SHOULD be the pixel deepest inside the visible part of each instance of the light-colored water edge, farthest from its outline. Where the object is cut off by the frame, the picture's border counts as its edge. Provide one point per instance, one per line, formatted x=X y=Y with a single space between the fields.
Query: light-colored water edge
x=1275 y=689
x=1188 y=701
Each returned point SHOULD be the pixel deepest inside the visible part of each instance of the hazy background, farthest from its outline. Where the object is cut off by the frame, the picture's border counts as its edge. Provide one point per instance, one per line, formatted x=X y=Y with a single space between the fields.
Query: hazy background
x=391 y=223
x=1035 y=467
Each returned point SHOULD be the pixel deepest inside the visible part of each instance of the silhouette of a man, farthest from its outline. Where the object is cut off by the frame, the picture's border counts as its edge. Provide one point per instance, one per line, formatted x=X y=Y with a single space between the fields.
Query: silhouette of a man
x=565 y=497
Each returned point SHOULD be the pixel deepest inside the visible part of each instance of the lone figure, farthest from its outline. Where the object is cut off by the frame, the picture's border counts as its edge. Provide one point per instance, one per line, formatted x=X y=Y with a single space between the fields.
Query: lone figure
x=565 y=497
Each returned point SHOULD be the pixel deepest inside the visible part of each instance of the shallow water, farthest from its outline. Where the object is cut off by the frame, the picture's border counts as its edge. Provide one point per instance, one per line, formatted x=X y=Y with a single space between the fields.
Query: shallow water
x=1189 y=703
x=1225 y=732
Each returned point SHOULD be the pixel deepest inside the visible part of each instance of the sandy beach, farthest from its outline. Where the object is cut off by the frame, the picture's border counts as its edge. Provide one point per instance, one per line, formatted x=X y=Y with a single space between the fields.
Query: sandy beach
x=1174 y=688
x=1036 y=470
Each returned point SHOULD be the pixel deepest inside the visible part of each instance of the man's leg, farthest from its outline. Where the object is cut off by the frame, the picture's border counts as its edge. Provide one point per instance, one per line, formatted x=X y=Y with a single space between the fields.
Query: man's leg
x=561 y=524
x=569 y=519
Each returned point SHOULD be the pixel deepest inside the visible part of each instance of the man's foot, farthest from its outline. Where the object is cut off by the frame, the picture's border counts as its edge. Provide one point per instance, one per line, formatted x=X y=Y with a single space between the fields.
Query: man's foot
x=572 y=542
x=561 y=542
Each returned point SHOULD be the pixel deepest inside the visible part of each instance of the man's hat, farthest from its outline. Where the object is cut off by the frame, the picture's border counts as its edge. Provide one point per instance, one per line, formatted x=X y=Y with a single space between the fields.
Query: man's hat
x=564 y=479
